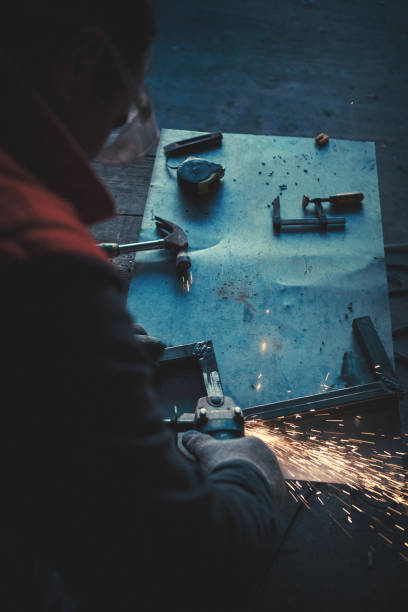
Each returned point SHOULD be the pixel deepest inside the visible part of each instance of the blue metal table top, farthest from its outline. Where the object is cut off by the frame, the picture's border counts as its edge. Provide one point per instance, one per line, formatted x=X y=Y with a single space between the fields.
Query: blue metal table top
x=277 y=308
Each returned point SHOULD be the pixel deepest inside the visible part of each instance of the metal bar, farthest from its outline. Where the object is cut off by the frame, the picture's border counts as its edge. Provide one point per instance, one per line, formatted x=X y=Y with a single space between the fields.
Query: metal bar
x=330 y=221
x=197 y=143
x=372 y=347
x=323 y=401
x=205 y=353
x=182 y=351
x=276 y=220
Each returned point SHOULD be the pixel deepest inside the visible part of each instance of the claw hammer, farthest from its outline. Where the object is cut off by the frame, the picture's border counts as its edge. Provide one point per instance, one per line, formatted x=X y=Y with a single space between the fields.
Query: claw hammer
x=174 y=240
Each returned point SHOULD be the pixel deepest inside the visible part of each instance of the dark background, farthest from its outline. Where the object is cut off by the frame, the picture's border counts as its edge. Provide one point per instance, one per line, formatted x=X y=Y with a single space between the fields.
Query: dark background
x=298 y=67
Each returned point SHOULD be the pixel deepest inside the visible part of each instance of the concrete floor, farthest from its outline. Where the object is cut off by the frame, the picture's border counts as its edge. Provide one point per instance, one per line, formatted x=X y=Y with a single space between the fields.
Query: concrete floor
x=298 y=67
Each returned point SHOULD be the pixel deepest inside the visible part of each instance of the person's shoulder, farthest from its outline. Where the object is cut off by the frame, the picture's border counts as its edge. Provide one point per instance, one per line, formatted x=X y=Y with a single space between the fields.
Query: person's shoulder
x=34 y=221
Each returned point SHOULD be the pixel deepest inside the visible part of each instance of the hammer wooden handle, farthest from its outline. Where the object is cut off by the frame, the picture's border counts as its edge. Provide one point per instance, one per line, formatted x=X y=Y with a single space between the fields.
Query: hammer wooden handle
x=347 y=198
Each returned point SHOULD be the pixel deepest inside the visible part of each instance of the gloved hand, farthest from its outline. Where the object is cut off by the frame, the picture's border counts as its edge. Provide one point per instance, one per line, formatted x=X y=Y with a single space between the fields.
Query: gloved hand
x=153 y=346
x=210 y=452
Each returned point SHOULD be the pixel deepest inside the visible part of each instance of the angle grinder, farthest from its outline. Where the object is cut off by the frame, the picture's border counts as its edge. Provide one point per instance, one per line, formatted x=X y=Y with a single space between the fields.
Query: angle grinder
x=217 y=416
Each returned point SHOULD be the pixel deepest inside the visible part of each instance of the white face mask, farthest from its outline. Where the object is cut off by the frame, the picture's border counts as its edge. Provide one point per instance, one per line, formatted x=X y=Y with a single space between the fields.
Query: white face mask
x=140 y=133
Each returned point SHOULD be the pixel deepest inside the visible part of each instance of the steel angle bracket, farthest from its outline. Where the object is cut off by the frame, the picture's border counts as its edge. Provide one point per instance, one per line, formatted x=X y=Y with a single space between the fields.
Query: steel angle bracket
x=204 y=353
x=385 y=384
x=331 y=399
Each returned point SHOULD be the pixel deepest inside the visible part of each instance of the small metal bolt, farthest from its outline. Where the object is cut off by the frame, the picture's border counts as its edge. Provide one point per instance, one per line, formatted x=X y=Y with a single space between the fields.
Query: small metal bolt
x=200 y=349
x=216 y=400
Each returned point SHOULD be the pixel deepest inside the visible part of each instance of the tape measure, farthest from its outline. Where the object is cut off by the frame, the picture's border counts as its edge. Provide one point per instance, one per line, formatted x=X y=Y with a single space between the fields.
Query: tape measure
x=198 y=176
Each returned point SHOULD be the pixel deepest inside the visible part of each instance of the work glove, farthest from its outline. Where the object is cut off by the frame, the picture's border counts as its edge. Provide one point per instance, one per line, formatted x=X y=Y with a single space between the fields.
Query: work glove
x=210 y=452
x=154 y=347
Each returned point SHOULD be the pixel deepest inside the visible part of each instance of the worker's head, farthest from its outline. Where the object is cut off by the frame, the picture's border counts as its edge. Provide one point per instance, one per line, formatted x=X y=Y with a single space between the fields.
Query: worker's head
x=87 y=59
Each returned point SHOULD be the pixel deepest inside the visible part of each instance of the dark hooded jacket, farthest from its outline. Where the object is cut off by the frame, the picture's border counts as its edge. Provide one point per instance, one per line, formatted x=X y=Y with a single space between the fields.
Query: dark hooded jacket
x=97 y=502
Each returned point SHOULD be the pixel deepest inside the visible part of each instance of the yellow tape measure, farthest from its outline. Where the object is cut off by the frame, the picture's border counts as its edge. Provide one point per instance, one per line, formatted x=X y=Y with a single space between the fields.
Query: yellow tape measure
x=198 y=176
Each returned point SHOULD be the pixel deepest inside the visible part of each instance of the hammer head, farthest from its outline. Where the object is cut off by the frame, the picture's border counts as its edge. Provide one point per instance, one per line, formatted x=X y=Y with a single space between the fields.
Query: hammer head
x=175 y=240
x=174 y=237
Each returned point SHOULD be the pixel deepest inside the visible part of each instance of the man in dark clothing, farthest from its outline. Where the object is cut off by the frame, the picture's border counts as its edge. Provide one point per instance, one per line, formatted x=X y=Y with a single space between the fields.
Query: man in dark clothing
x=93 y=484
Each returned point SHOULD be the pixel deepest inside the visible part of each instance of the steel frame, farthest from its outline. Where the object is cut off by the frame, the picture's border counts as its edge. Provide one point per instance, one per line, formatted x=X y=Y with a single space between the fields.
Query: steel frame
x=384 y=386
